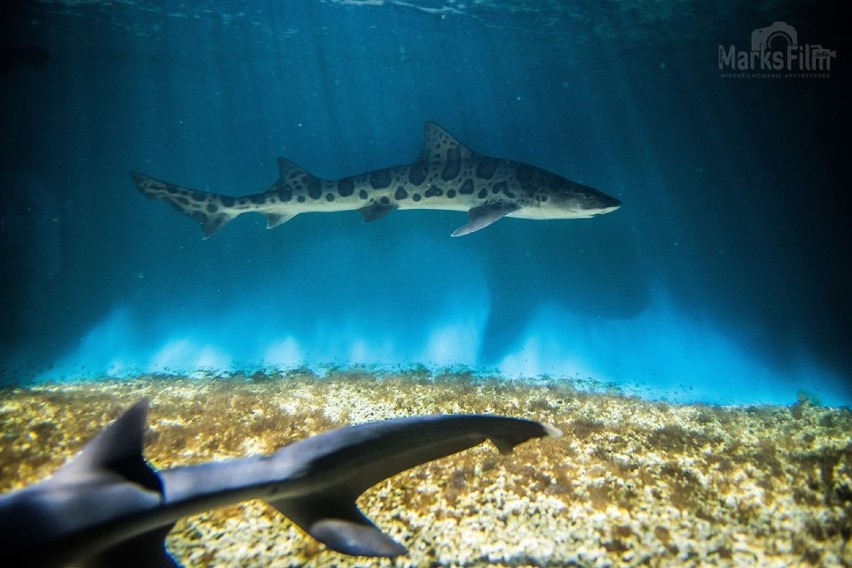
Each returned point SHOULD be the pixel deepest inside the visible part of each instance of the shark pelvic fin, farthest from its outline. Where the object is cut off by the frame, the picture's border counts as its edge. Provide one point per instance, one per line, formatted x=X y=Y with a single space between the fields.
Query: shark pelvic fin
x=484 y=215
x=274 y=219
x=376 y=211
x=337 y=523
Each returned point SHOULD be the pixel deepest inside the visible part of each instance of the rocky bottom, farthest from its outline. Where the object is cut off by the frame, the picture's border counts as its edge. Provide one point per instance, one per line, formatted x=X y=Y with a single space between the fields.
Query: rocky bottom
x=632 y=482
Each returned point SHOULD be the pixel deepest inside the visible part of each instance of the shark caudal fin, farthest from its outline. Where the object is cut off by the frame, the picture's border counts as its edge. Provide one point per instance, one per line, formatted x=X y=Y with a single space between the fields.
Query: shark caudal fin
x=210 y=210
x=351 y=460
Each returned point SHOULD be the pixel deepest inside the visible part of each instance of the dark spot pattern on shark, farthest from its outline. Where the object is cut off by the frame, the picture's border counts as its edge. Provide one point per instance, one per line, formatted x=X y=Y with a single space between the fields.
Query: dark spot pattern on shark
x=345 y=187
x=417 y=173
x=487 y=167
x=446 y=175
x=380 y=179
x=452 y=167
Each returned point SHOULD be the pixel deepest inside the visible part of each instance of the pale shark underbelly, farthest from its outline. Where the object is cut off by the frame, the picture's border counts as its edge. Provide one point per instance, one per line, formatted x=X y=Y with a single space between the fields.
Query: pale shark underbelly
x=446 y=176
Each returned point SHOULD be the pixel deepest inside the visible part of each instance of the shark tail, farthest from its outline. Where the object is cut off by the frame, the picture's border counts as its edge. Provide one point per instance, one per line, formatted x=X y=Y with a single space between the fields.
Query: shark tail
x=330 y=514
x=212 y=211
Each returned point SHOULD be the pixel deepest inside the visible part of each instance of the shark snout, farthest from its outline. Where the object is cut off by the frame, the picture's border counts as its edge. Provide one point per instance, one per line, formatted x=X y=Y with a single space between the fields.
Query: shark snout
x=602 y=203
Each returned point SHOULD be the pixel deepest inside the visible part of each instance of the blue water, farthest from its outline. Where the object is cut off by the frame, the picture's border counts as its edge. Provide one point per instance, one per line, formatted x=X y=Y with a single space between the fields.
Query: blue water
x=724 y=278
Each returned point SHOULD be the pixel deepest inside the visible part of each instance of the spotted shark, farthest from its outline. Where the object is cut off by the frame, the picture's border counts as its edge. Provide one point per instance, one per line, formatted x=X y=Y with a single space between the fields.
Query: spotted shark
x=446 y=175
x=109 y=508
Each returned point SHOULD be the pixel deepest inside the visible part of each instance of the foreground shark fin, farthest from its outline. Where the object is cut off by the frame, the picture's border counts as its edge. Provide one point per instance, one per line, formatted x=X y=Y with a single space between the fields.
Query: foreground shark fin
x=210 y=210
x=338 y=524
x=484 y=215
x=376 y=211
x=116 y=451
x=147 y=550
x=441 y=146
x=350 y=460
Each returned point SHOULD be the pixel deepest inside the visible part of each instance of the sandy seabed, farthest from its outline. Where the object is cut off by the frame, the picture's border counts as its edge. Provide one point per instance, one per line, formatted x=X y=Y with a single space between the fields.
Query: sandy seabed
x=631 y=483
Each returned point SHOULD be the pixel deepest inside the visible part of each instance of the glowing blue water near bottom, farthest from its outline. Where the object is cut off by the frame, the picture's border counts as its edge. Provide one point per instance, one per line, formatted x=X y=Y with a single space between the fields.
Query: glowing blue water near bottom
x=660 y=354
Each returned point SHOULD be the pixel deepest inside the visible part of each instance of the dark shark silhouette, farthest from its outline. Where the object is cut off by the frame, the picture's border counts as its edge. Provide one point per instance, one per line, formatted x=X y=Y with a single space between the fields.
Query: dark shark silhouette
x=446 y=175
x=109 y=508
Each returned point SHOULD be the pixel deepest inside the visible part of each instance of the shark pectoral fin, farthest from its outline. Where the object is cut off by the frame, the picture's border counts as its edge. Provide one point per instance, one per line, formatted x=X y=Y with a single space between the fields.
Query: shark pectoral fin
x=484 y=215
x=356 y=539
x=273 y=220
x=376 y=210
x=147 y=550
x=338 y=524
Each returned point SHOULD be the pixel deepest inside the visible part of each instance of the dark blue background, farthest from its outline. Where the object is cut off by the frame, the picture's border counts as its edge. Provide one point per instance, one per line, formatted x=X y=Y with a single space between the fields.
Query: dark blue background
x=726 y=271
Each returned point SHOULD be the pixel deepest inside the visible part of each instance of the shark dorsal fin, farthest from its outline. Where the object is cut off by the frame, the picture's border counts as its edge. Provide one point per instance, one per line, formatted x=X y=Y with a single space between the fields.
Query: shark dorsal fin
x=441 y=146
x=118 y=451
x=290 y=170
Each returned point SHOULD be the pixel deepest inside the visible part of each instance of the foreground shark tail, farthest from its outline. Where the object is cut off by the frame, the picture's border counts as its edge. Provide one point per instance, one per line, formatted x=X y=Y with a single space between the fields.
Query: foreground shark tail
x=373 y=452
x=210 y=210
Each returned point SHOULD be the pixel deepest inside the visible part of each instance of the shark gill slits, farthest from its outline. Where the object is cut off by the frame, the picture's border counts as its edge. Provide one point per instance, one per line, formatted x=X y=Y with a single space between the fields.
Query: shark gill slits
x=452 y=166
x=451 y=193
x=380 y=179
x=486 y=167
x=212 y=208
x=345 y=187
x=363 y=194
x=285 y=194
x=467 y=187
x=434 y=192
x=227 y=200
x=329 y=197
x=416 y=197
x=417 y=173
x=400 y=193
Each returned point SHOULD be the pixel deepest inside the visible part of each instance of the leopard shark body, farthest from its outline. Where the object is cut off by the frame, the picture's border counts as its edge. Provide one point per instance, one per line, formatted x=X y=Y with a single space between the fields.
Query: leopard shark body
x=446 y=176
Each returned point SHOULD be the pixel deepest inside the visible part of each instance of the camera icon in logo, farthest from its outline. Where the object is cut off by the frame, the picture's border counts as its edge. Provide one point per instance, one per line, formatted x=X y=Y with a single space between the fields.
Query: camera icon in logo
x=761 y=38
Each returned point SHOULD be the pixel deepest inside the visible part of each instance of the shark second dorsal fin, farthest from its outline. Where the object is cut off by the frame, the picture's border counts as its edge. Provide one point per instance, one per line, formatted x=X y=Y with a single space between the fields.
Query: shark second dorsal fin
x=290 y=170
x=441 y=146
x=117 y=451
